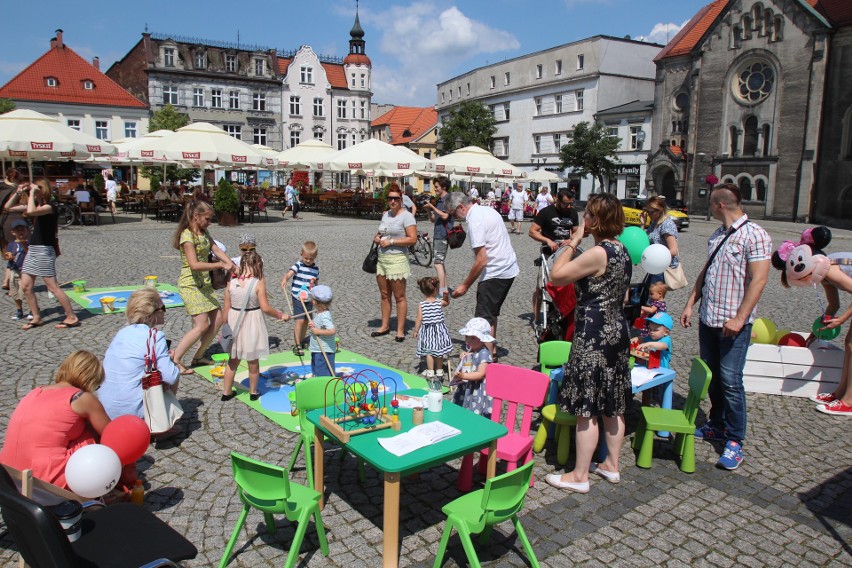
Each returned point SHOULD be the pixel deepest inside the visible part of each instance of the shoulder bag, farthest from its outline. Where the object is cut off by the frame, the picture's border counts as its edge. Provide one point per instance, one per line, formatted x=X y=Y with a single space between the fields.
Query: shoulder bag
x=161 y=406
x=456 y=237
x=370 y=264
x=675 y=278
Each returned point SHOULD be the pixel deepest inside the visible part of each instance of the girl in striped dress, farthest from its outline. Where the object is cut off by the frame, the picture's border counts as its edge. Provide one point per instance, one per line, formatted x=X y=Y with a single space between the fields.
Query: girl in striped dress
x=430 y=328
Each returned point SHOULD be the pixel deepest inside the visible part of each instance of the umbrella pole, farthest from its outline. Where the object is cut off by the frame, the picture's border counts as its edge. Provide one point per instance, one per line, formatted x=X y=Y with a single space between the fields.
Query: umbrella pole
x=30 y=166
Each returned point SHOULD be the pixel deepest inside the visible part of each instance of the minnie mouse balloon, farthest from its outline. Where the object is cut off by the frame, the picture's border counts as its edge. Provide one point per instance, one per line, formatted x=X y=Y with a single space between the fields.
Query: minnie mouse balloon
x=656 y=258
x=803 y=268
x=92 y=471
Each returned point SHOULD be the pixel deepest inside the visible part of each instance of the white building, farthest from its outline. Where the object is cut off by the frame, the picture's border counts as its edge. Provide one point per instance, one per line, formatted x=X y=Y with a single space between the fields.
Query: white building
x=631 y=124
x=538 y=98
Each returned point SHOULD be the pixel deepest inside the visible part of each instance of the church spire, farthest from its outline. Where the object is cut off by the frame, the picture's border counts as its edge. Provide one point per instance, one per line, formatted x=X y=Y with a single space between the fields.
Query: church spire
x=357 y=56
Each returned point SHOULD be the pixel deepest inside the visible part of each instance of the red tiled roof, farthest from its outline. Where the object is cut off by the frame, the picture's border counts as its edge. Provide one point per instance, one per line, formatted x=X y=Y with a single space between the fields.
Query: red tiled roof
x=689 y=36
x=70 y=70
x=333 y=71
x=357 y=59
x=416 y=120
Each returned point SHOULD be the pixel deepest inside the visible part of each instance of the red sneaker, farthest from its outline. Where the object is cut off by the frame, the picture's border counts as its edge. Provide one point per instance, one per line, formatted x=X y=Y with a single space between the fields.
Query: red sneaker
x=823 y=397
x=837 y=408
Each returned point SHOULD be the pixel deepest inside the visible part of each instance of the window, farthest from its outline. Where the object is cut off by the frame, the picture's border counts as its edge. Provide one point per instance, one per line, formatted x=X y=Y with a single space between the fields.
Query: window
x=354 y=139
x=506 y=78
x=468 y=89
x=363 y=110
x=634 y=137
x=493 y=82
x=681 y=101
x=341 y=110
x=318 y=107
x=353 y=80
x=234 y=130
x=750 y=136
x=558 y=70
x=258 y=101
x=216 y=98
x=259 y=66
x=73 y=123
x=459 y=91
x=231 y=63
x=557 y=142
x=259 y=136
x=295 y=105
x=760 y=190
x=200 y=60
x=579 y=98
x=537 y=142
x=451 y=95
x=353 y=109
x=612 y=132
x=295 y=138
x=341 y=140
x=443 y=98
x=130 y=130
x=234 y=100
x=319 y=134
x=745 y=189
x=538 y=71
x=306 y=74
x=537 y=106
x=501 y=147
x=169 y=57
x=170 y=95
x=505 y=111
x=754 y=82
x=557 y=104
x=102 y=130
x=198 y=97
x=364 y=81
x=735 y=140
x=581 y=61
x=88 y=85
x=766 y=145
x=52 y=82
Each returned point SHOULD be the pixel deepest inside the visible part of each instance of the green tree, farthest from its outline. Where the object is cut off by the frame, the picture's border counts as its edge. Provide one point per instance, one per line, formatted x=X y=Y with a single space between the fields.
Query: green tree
x=591 y=152
x=469 y=124
x=167 y=118
x=6 y=105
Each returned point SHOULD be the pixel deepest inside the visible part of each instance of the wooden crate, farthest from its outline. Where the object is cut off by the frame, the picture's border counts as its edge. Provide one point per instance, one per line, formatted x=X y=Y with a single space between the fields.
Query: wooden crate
x=792 y=371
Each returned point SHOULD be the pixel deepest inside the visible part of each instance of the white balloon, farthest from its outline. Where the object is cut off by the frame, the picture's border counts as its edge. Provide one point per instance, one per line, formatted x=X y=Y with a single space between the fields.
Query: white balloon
x=656 y=258
x=93 y=471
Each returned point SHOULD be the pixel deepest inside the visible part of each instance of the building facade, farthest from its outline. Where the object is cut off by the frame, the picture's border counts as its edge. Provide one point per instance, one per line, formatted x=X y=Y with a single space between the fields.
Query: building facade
x=538 y=98
x=631 y=124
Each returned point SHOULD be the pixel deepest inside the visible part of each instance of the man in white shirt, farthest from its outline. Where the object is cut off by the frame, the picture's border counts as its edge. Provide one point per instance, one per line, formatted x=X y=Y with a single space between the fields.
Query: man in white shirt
x=517 y=200
x=474 y=193
x=495 y=265
x=161 y=195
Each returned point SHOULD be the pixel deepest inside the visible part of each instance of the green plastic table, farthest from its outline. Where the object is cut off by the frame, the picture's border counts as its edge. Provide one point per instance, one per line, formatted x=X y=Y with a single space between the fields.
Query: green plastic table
x=476 y=433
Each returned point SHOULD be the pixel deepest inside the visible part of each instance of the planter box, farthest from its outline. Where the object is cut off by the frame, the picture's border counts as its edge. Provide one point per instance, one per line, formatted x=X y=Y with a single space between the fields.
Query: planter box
x=792 y=371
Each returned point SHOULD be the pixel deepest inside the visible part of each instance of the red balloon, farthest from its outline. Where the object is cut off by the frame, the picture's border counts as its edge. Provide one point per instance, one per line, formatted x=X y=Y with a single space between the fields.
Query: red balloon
x=128 y=436
x=792 y=340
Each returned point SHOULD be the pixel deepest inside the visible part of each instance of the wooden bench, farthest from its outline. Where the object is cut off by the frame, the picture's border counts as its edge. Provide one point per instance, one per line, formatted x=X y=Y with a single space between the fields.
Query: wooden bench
x=792 y=371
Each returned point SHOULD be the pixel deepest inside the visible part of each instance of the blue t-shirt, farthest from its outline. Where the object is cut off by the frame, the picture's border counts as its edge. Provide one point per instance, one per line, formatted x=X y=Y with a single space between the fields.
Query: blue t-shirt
x=19 y=253
x=302 y=275
x=442 y=226
x=666 y=355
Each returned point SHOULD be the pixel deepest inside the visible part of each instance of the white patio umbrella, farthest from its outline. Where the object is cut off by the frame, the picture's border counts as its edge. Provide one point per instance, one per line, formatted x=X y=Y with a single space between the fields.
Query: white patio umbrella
x=26 y=134
x=377 y=156
x=473 y=160
x=305 y=156
x=202 y=143
x=543 y=176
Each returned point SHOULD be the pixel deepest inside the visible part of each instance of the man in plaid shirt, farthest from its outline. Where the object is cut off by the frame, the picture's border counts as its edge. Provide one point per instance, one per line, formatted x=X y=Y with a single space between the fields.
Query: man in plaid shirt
x=729 y=288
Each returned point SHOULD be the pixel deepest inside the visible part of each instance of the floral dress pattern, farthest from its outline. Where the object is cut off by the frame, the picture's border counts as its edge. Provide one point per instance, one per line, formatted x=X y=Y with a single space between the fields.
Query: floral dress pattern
x=597 y=376
x=195 y=287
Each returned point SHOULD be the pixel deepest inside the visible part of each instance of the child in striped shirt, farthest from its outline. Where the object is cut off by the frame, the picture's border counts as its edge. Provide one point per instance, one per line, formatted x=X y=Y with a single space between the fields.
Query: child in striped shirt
x=305 y=274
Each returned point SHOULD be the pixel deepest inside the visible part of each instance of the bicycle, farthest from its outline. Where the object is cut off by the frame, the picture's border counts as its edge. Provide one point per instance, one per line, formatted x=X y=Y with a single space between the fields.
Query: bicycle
x=422 y=251
x=67 y=214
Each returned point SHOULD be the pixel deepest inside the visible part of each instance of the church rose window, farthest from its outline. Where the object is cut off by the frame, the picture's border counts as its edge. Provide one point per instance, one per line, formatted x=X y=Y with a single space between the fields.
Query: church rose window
x=754 y=82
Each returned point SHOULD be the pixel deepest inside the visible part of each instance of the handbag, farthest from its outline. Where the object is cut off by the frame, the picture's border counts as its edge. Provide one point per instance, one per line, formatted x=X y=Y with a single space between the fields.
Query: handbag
x=675 y=278
x=161 y=406
x=371 y=263
x=456 y=237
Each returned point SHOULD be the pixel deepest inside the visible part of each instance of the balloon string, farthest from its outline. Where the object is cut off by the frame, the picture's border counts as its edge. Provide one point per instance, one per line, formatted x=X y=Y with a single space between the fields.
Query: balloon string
x=819 y=301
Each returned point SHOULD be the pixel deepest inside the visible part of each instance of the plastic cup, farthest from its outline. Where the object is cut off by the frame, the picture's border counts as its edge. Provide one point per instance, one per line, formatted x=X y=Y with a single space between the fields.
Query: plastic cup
x=79 y=286
x=108 y=304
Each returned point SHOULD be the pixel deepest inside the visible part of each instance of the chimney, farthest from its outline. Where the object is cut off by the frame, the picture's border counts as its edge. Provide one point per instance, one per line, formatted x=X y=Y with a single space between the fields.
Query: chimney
x=96 y=62
x=59 y=43
x=53 y=43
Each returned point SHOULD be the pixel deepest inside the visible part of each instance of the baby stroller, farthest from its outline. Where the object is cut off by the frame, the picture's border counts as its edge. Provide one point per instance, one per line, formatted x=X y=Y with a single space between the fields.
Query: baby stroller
x=555 y=319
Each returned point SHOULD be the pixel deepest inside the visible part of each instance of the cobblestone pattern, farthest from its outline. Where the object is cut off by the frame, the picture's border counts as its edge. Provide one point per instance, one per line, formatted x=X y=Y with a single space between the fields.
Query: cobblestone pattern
x=789 y=503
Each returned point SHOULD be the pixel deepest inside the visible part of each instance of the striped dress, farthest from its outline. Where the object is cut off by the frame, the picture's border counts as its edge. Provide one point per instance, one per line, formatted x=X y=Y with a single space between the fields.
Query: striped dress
x=434 y=338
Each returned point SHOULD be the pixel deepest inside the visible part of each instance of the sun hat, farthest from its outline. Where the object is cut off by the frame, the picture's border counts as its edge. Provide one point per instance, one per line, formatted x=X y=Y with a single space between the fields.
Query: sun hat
x=663 y=319
x=479 y=328
x=321 y=293
x=248 y=239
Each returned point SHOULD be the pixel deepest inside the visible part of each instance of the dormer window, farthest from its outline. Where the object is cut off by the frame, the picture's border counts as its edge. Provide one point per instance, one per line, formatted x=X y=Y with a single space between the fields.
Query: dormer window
x=88 y=85
x=200 y=60
x=169 y=56
x=406 y=133
x=52 y=81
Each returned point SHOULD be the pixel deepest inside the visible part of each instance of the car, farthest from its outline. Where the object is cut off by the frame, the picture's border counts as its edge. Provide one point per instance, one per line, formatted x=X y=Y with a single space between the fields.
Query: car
x=633 y=208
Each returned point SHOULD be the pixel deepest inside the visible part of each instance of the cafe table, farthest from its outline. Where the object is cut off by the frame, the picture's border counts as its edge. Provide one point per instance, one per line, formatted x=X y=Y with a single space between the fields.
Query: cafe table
x=476 y=433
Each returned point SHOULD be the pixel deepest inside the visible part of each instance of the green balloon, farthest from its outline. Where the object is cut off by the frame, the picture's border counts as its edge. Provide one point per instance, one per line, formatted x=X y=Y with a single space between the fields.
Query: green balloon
x=635 y=240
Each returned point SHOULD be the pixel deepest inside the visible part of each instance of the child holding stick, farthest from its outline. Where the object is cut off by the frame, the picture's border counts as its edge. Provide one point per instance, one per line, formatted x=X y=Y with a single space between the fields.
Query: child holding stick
x=322 y=345
x=305 y=273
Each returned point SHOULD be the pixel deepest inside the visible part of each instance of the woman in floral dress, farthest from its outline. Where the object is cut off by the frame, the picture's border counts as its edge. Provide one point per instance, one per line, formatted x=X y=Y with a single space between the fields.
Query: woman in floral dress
x=195 y=244
x=597 y=376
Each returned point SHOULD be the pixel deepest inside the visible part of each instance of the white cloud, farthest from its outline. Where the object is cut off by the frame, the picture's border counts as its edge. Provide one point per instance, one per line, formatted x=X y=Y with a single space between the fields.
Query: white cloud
x=662 y=33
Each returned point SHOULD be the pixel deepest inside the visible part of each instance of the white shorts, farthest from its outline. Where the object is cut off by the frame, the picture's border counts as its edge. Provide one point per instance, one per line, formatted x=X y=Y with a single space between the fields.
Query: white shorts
x=516 y=214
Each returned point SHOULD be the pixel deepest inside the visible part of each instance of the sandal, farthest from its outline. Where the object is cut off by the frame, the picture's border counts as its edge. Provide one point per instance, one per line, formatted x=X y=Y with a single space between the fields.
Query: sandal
x=227 y=397
x=297 y=351
x=32 y=324
x=202 y=362
x=65 y=325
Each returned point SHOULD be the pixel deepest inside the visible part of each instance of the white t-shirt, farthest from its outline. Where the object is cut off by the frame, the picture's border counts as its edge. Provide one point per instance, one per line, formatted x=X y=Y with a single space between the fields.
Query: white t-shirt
x=474 y=193
x=518 y=198
x=542 y=200
x=485 y=228
x=110 y=187
x=491 y=194
x=161 y=195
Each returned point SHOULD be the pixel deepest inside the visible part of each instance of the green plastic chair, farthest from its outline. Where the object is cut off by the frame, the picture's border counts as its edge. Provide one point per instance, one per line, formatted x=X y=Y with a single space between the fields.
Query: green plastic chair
x=552 y=355
x=267 y=488
x=681 y=422
x=477 y=513
x=309 y=395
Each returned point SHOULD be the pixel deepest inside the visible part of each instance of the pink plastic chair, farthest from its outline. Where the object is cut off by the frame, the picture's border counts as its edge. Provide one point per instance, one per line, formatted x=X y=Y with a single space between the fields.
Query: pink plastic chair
x=515 y=386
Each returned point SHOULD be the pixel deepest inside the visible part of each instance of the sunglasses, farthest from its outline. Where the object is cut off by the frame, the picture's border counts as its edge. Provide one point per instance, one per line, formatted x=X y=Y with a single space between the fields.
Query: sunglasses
x=391 y=198
x=247 y=249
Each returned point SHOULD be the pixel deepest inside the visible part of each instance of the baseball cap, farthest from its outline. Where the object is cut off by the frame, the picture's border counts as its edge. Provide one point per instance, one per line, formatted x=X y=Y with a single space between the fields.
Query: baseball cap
x=479 y=328
x=321 y=293
x=663 y=319
x=19 y=223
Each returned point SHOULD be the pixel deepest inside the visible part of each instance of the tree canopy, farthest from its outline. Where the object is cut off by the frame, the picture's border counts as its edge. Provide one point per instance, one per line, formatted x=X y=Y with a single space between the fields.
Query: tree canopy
x=469 y=124
x=167 y=118
x=6 y=105
x=591 y=151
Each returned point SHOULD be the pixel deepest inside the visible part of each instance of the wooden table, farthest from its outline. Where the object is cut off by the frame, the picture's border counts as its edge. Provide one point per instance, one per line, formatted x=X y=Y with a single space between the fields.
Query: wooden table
x=476 y=433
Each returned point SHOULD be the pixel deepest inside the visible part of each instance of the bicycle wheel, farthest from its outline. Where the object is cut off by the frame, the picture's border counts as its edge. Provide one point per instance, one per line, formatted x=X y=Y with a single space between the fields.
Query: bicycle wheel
x=66 y=216
x=423 y=252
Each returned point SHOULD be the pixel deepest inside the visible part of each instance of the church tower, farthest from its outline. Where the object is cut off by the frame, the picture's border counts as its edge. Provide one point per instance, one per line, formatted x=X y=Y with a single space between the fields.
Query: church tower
x=357 y=65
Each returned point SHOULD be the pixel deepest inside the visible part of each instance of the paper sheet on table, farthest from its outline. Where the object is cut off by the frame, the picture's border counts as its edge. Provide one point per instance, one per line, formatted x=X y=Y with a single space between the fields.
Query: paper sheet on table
x=418 y=437
x=641 y=375
x=406 y=401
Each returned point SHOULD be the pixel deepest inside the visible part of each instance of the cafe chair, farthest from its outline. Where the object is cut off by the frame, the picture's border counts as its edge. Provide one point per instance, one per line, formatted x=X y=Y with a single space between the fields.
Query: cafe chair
x=501 y=499
x=117 y=536
x=87 y=210
x=521 y=390
x=267 y=488
x=552 y=355
x=310 y=395
x=259 y=210
x=681 y=422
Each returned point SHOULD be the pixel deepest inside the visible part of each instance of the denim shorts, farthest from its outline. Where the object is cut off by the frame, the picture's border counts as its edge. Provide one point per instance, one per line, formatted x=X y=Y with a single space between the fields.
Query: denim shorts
x=440 y=248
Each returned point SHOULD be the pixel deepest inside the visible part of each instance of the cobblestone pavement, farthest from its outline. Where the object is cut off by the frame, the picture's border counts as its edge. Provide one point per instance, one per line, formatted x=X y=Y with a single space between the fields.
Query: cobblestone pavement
x=790 y=503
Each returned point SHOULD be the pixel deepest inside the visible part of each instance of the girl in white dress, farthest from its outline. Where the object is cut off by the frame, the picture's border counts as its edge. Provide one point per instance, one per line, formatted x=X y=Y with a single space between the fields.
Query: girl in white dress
x=251 y=340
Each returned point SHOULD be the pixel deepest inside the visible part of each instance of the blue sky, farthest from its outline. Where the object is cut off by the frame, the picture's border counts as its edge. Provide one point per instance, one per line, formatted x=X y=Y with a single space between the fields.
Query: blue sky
x=412 y=44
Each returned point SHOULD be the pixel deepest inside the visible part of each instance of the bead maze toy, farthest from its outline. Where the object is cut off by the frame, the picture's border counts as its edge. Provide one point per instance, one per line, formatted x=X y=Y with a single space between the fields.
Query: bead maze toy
x=356 y=407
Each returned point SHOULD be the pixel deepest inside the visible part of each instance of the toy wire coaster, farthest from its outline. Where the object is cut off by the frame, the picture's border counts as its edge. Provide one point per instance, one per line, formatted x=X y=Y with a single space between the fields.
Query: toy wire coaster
x=355 y=407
